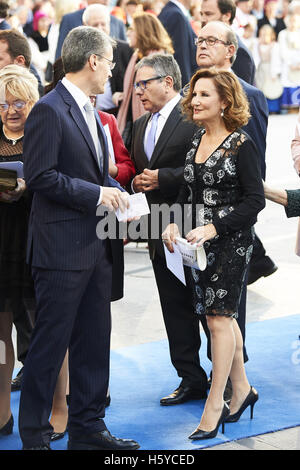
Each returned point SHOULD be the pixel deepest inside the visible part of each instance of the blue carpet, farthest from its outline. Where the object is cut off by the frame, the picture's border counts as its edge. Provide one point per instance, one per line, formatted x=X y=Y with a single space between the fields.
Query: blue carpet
x=141 y=375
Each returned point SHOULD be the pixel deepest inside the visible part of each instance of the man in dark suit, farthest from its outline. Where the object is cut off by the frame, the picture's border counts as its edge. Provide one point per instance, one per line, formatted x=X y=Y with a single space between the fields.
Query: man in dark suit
x=66 y=167
x=159 y=175
x=174 y=18
x=98 y=16
x=224 y=10
x=74 y=19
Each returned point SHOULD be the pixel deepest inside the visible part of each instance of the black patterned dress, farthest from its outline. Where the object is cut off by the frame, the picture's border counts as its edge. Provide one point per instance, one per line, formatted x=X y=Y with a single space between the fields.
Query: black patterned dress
x=225 y=190
x=16 y=285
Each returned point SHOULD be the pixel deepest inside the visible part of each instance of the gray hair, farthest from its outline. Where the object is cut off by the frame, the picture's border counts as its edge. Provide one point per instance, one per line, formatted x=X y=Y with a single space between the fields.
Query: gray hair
x=80 y=44
x=95 y=8
x=232 y=39
x=164 y=65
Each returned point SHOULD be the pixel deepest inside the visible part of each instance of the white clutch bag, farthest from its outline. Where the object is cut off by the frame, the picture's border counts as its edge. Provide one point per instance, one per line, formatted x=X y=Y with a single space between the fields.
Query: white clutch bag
x=192 y=255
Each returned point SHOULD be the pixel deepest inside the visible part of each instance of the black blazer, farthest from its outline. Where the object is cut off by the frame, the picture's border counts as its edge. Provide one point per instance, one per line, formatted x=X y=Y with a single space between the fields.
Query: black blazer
x=74 y=19
x=168 y=157
x=122 y=54
x=65 y=183
x=243 y=65
x=183 y=38
x=257 y=125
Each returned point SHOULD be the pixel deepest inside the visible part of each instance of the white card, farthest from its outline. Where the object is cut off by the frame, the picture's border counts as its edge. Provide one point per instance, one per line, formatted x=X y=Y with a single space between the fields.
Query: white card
x=175 y=263
x=138 y=206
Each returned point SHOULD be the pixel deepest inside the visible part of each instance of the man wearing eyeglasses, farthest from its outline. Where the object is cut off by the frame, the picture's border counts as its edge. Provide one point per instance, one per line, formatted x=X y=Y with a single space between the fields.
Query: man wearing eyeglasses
x=66 y=168
x=160 y=141
x=225 y=10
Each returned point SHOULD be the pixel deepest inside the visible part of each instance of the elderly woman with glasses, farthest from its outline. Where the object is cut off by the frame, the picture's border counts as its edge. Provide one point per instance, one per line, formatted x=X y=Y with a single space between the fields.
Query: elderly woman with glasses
x=18 y=94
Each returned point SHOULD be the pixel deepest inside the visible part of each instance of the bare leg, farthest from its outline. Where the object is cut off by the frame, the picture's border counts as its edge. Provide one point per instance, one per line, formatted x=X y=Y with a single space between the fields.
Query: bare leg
x=240 y=384
x=6 y=369
x=223 y=345
x=59 y=415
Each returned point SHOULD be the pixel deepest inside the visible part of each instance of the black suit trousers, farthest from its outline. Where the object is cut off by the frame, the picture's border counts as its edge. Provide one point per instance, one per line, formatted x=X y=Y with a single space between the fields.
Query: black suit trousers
x=73 y=311
x=182 y=326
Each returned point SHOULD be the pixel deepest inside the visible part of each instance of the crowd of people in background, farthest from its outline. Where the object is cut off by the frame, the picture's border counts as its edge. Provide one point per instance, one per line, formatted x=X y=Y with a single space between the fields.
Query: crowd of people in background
x=269 y=28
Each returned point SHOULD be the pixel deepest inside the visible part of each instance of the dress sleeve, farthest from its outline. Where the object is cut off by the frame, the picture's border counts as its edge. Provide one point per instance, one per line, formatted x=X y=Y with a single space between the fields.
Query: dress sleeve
x=293 y=205
x=251 y=189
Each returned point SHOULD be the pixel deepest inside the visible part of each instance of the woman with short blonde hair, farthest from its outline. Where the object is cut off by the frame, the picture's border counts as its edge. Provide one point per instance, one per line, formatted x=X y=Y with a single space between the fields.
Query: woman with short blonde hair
x=18 y=94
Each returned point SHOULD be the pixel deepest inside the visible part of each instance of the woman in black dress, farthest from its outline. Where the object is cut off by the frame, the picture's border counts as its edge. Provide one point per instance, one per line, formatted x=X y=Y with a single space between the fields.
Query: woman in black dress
x=18 y=93
x=223 y=185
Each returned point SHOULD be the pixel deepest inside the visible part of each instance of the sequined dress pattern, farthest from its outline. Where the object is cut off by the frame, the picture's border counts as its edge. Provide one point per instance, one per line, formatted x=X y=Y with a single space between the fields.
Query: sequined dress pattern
x=213 y=191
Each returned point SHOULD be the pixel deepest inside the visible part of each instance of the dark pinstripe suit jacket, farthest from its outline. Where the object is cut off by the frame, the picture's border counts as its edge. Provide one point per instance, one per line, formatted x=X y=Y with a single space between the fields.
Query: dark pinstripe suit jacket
x=61 y=168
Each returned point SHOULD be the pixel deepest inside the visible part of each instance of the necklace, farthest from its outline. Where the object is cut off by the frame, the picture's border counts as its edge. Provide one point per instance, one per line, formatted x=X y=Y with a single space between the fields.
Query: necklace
x=13 y=141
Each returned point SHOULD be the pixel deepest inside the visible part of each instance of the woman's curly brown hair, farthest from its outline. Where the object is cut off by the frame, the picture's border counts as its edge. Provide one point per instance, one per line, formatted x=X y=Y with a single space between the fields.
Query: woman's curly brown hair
x=229 y=89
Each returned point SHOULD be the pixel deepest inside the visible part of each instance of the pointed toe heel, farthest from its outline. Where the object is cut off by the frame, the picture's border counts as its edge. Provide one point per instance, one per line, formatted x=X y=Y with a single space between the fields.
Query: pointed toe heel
x=200 y=434
x=250 y=401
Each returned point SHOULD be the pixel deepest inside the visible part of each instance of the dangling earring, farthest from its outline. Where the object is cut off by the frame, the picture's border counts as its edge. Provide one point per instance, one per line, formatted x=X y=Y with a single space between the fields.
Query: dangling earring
x=222 y=113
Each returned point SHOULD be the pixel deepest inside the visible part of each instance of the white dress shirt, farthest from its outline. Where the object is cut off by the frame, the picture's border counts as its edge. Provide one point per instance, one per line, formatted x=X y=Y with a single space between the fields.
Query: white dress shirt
x=164 y=113
x=81 y=99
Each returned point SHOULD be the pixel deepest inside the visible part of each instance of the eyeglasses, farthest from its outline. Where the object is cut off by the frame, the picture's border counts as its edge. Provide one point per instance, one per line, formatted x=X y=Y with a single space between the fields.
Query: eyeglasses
x=142 y=84
x=16 y=106
x=111 y=63
x=210 y=41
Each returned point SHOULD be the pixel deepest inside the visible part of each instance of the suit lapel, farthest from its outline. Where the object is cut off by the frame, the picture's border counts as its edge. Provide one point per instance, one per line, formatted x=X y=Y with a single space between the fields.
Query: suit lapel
x=144 y=158
x=103 y=143
x=78 y=118
x=166 y=133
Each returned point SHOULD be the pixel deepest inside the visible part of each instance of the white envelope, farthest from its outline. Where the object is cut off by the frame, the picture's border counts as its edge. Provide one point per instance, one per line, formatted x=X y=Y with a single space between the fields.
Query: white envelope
x=138 y=206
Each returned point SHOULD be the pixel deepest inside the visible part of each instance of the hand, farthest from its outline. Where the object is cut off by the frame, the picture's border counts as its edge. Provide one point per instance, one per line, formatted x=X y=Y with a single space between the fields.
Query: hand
x=15 y=194
x=112 y=199
x=117 y=97
x=150 y=179
x=124 y=203
x=169 y=236
x=146 y=181
x=112 y=168
x=199 y=235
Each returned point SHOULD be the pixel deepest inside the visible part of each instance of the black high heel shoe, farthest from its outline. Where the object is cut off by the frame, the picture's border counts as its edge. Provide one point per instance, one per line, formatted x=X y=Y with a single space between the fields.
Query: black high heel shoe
x=250 y=400
x=8 y=427
x=199 y=434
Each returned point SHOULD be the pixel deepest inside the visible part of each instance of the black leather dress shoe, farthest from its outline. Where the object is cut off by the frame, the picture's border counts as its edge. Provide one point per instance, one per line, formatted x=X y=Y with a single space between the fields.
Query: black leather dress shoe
x=16 y=382
x=102 y=440
x=181 y=395
x=55 y=436
x=261 y=268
